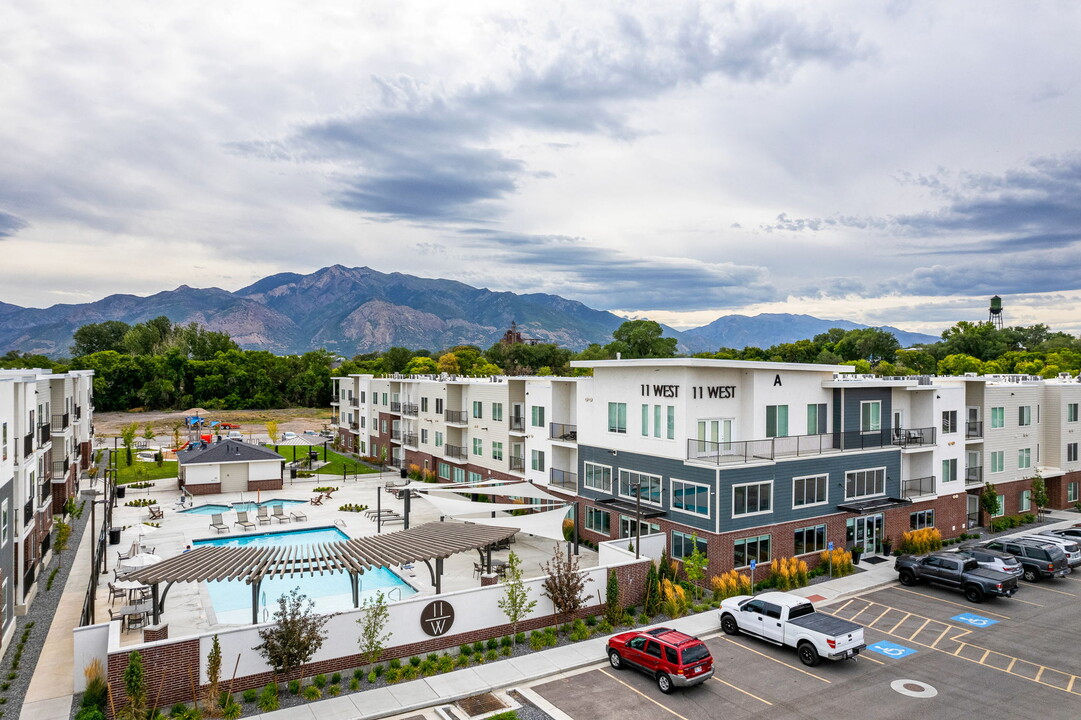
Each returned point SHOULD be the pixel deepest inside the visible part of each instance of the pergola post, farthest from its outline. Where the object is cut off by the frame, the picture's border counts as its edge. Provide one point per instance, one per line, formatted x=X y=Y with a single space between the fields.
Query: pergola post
x=154 y=601
x=255 y=601
x=354 y=582
x=438 y=575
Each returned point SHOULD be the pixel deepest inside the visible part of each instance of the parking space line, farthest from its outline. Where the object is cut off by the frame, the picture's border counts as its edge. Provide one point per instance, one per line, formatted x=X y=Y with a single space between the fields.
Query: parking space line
x=741 y=690
x=642 y=694
x=871 y=659
x=940 y=636
x=960 y=647
x=950 y=602
x=906 y=617
x=1060 y=592
x=872 y=623
x=985 y=654
x=1026 y=602
x=845 y=605
x=869 y=604
x=1009 y=668
x=1039 y=674
x=1069 y=688
x=780 y=662
x=920 y=630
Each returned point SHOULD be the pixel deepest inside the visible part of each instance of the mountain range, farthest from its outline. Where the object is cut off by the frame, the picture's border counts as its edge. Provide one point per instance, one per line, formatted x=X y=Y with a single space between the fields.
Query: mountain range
x=358 y=310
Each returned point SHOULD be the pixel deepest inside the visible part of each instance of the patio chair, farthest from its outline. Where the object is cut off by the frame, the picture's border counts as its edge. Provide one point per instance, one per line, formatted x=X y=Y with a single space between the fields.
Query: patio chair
x=121 y=555
x=298 y=514
x=263 y=515
x=317 y=500
x=278 y=513
x=115 y=592
x=243 y=521
x=217 y=524
x=477 y=570
x=156 y=513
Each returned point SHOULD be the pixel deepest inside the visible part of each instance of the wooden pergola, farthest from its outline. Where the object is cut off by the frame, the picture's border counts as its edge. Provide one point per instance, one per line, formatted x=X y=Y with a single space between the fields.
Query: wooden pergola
x=425 y=543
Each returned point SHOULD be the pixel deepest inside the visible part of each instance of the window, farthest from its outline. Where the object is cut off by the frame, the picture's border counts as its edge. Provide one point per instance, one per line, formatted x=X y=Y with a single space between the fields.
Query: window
x=458 y=474
x=949 y=421
x=384 y=425
x=598 y=521
x=921 y=519
x=497 y=450
x=1001 y=509
x=385 y=399
x=475 y=477
x=648 y=486
x=537 y=460
x=362 y=396
x=1024 y=415
x=998 y=417
x=478 y=446
x=537 y=416
x=1024 y=458
x=1071 y=452
x=497 y=412
x=478 y=409
x=809 y=490
x=671 y=422
x=949 y=470
x=626 y=527
x=752 y=499
x=645 y=420
x=444 y=470
x=439 y=406
x=5 y=514
x=1025 y=503
x=776 y=421
x=617 y=417
x=690 y=497
x=424 y=436
x=752 y=548
x=4 y=441
x=656 y=421
x=424 y=404
x=683 y=545
x=438 y=438
x=863 y=483
x=363 y=420
x=1071 y=412
x=816 y=419
x=870 y=416
x=810 y=540
x=998 y=461
x=598 y=477
x=1071 y=492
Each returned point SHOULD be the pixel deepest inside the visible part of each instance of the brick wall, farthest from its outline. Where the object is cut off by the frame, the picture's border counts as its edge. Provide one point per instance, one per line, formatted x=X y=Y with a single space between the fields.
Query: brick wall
x=170 y=669
x=1057 y=490
x=203 y=488
x=271 y=484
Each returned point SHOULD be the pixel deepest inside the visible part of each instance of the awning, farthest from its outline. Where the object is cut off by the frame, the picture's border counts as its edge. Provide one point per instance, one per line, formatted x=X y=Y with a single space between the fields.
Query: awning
x=874 y=505
x=630 y=508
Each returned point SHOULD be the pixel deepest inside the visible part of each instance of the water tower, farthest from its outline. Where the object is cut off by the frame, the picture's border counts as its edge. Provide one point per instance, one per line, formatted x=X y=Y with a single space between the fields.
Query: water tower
x=994 y=315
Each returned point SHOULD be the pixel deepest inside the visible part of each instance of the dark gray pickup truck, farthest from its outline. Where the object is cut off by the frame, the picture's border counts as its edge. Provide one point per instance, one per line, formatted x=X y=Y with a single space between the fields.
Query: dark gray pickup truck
x=957 y=572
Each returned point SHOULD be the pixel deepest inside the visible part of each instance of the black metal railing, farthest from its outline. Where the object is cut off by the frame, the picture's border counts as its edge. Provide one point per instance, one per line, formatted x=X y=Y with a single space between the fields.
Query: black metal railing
x=396 y=435
x=743 y=451
x=517 y=463
x=45 y=492
x=28 y=579
x=974 y=429
x=28 y=512
x=395 y=407
x=563 y=431
x=410 y=409
x=974 y=475
x=910 y=437
x=563 y=479
x=455 y=451
x=61 y=422
x=916 y=487
x=45 y=433
x=354 y=425
x=28 y=444
x=78 y=412
x=409 y=439
x=517 y=424
x=460 y=417
x=60 y=469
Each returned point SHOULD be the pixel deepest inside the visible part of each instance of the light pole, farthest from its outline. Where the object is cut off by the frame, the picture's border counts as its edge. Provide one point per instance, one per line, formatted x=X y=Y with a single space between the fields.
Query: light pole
x=637 y=518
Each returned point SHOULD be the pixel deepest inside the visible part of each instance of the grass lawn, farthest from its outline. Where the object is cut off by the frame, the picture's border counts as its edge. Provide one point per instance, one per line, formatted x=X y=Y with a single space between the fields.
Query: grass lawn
x=139 y=471
x=336 y=462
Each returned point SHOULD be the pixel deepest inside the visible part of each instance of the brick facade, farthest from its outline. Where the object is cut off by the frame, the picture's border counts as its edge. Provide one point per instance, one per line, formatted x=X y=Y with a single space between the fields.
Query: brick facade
x=203 y=488
x=1058 y=490
x=271 y=484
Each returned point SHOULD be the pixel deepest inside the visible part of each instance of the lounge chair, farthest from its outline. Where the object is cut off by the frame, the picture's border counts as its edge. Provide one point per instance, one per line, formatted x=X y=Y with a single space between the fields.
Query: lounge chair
x=156 y=513
x=243 y=521
x=278 y=513
x=298 y=514
x=317 y=500
x=263 y=515
x=217 y=524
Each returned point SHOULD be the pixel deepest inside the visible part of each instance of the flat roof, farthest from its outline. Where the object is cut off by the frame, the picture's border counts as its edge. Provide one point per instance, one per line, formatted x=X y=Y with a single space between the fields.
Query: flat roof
x=711 y=363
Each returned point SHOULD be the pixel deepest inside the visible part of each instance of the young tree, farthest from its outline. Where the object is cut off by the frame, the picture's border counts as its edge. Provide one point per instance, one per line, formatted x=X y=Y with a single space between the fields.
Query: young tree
x=272 y=430
x=613 y=610
x=373 y=621
x=564 y=585
x=127 y=437
x=135 y=685
x=296 y=635
x=212 y=707
x=989 y=501
x=515 y=602
x=1039 y=494
x=148 y=432
x=652 y=601
x=176 y=435
x=694 y=565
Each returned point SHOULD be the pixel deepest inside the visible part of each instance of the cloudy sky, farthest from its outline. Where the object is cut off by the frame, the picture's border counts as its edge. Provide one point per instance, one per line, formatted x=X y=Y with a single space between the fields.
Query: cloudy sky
x=889 y=163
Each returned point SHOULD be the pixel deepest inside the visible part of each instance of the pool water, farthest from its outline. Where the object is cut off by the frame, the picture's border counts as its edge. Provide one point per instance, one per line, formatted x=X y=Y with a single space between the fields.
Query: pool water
x=215 y=509
x=330 y=591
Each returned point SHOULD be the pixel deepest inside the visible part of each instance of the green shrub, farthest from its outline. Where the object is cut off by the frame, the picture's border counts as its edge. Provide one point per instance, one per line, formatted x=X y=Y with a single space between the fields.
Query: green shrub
x=492 y=644
x=320 y=681
x=354 y=684
x=506 y=650
x=466 y=649
x=396 y=663
x=336 y=679
x=294 y=687
x=445 y=663
x=379 y=670
x=232 y=710
x=250 y=695
x=604 y=627
x=372 y=677
x=268 y=699
x=409 y=672
x=461 y=661
x=334 y=689
x=89 y=713
x=393 y=674
x=358 y=674
x=178 y=710
x=478 y=647
x=434 y=657
x=415 y=661
x=427 y=667
x=644 y=619
x=505 y=715
x=311 y=692
x=491 y=655
x=519 y=638
x=506 y=641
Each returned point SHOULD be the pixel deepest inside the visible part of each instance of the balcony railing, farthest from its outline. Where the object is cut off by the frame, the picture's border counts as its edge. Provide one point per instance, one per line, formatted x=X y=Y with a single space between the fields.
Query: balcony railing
x=45 y=433
x=974 y=429
x=396 y=435
x=410 y=409
x=458 y=417
x=409 y=439
x=914 y=437
x=517 y=424
x=517 y=463
x=354 y=425
x=395 y=407
x=78 y=412
x=28 y=513
x=974 y=475
x=61 y=422
x=45 y=492
x=60 y=469
x=455 y=451
x=737 y=452
x=563 y=479
x=563 y=431
x=917 y=487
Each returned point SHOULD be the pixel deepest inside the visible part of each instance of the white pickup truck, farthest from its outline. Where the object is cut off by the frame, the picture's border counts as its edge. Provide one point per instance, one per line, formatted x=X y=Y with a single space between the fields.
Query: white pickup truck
x=786 y=619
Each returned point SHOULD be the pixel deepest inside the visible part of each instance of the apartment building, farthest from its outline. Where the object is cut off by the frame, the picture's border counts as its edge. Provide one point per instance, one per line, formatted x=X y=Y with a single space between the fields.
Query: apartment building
x=48 y=435
x=7 y=510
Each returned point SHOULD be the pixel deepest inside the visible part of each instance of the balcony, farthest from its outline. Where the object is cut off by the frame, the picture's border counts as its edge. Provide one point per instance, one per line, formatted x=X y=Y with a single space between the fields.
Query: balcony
x=28 y=445
x=455 y=452
x=45 y=433
x=914 y=437
x=396 y=407
x=517 y=424
x=396 y=435
x=974 y=476
x=354 y=425
x=28 y=513
x=562 y=431
x=917 y=487
x=974 y=429
x=45 y=493
x=457 y=417
x=563 y=479
x=410 y=409
x=517 y=463
x=60 y=469
x=410 y=439
x=61 y=422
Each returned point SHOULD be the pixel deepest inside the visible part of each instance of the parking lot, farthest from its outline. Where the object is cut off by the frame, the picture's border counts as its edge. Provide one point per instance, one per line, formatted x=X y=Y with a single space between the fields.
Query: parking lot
x=931 y=654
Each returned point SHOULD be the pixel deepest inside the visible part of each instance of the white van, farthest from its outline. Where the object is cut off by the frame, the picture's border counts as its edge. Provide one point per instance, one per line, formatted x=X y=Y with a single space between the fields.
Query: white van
x=235 y=435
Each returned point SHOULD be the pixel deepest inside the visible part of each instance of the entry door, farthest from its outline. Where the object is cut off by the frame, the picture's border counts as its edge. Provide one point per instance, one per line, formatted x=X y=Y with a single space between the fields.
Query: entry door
x=714 y=437
x=867 y=531
x=973 y=421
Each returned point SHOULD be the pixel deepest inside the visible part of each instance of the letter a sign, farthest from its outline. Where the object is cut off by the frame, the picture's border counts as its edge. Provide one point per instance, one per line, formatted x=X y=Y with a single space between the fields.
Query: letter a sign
x=437 y=617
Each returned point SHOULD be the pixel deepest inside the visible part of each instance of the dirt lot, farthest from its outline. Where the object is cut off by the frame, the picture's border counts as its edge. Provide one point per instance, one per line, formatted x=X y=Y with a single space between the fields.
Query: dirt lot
x=251 y=421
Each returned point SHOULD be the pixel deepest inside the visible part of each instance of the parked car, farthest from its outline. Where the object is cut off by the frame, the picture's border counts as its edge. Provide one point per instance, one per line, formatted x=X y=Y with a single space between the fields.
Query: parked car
x=1039 y=559
x=672 y=658
x=235 y=435
x=288 y=435
x=786 y=619
x=955 y=571
x=1068 y=545
x=1074 y=533
x=993 y=560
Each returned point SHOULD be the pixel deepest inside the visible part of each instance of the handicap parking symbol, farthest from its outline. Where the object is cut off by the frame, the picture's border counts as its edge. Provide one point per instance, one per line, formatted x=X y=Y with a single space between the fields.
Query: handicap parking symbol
x=891 y=649
x=973 y=620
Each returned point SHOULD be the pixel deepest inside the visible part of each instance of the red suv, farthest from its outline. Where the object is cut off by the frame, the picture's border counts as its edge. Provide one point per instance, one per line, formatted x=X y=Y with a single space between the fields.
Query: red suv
x=673 y=658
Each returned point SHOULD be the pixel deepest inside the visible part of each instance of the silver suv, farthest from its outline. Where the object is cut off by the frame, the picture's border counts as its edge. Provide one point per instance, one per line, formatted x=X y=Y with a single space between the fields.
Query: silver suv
x=993 y=560
x=1068 y=545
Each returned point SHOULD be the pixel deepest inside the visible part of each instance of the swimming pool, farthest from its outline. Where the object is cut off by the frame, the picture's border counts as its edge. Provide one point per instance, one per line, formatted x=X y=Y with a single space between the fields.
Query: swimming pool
x=215 y=508
x=331 y=591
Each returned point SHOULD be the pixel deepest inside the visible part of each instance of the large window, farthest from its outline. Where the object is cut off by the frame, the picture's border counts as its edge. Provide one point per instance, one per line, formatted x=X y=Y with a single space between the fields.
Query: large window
x=683 y=545
x=5 y=514
x=998 y=461
x=752 y=548
x=438 y=438
x=424 y=436
x=949 y=470
x=474 y=477
x=497 y=412
x=810 y=540
x=864 y=483
x=537 y=415
x=1071 y=452
x=478 y=446
x=598 y=477
x=870 y=416
x=1024 y=458
x=998 y=417
x=626 y=527
x=1024 y=415
x=537 y=460
x=776 y=421
x=671 y=424
x=811 y=490
x=598 y=521
x=1000 y=508
x=478 y=409
x=1071 y=492
x=497 y=450
x=1025 y=503
x=424 y=404
x=752 y=499
x=4 y=441
x=444 y=470
x=645 y=420
x=949 y=421
x=690 y=497
x=650 y=486
x=617 y=417
x=816 y=419
x=439 y=406
x=921 y=519
x=1071 y=412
